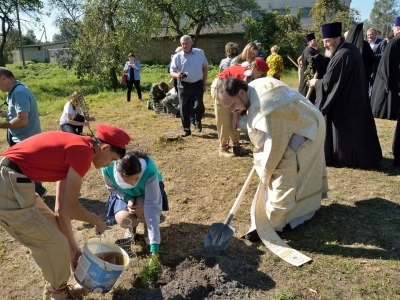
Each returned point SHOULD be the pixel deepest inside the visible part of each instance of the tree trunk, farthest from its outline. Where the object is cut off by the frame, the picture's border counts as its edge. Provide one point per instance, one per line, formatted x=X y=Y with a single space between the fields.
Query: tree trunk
x=114 y=79
x=2 y=59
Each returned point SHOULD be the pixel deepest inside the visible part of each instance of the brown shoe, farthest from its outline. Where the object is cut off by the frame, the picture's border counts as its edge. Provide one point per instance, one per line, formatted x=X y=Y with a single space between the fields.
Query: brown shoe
x=223 y=152
x=69 y=292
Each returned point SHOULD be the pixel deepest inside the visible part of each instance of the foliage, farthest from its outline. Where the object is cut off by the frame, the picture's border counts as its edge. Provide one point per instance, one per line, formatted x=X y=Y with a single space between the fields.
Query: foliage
x=329 y=11
x=150 y=271
x=8 y=19
x=282 y=30
x=181 y=17
x=383 y=14
x=309 y=71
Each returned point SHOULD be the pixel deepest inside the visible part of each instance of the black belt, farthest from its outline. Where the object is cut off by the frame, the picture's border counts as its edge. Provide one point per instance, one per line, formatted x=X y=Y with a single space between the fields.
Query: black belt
x=11 y=165
x=185 y=82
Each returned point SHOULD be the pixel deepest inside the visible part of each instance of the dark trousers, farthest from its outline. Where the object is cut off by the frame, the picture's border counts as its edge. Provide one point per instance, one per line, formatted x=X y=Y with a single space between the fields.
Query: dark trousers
x=39 y=189
x=75 y=129
x=129 y=85
x=191 y=102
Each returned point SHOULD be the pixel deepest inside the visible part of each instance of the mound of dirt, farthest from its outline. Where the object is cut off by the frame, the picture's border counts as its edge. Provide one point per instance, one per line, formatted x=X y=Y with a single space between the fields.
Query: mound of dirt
x=207 y=274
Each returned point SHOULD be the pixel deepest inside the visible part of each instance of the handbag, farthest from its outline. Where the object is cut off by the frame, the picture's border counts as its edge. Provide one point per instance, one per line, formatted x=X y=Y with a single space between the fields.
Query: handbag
x=123 y=78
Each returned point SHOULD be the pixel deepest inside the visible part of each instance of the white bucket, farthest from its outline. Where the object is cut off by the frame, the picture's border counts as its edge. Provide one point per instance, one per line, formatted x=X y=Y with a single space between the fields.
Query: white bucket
x=95 y=274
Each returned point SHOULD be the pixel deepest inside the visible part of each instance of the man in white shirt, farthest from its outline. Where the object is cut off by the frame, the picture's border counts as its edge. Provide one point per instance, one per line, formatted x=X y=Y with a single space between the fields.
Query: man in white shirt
x=190 y=67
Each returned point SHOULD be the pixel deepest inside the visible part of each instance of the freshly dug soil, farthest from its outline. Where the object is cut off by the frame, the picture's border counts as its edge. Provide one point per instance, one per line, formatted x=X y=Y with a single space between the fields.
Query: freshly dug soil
x=207 y=274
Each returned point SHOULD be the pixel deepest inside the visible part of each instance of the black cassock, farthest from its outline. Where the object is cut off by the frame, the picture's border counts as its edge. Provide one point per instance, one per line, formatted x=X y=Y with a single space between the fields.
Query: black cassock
x=385 y=99
x=351 y=136
x=303 y=88
x=355 y=36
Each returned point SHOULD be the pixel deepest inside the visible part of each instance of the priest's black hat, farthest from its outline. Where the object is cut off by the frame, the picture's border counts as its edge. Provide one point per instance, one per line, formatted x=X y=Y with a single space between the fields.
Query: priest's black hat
x=331 y=30
x=397 y=22
x=310 y=37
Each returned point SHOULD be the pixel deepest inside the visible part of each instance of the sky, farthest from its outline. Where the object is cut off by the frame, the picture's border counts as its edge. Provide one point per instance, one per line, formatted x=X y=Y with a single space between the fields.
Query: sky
x=364 y=6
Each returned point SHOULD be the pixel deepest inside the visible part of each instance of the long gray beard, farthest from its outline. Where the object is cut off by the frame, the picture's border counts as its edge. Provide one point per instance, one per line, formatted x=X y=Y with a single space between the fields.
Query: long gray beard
x=328 y=53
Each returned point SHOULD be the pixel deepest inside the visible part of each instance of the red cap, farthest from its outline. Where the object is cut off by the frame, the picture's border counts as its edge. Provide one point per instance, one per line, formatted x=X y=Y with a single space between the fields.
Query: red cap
x=261 y=64
x=112 y=135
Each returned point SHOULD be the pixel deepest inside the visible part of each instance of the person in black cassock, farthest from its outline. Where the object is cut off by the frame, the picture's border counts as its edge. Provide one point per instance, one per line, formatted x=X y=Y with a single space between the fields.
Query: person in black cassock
x=351 y=137
x=303 y=61
x=385 y=99
x=387 y=84
x=355 y=36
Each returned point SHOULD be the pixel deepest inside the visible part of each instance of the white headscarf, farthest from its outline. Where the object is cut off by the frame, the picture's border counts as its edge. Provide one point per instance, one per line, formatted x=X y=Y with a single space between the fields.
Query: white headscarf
x=120 y=181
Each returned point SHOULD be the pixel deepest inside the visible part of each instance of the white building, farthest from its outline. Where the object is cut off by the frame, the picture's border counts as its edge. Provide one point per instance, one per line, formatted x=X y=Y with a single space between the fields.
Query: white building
x=281 y=5
x=44 y=52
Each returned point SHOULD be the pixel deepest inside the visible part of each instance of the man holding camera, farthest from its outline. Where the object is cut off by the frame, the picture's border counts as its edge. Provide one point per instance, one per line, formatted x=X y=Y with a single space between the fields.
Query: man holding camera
x=190 y=68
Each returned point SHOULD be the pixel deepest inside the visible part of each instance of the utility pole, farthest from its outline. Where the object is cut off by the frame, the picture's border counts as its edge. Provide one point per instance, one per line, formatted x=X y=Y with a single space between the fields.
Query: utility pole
x=20 y=35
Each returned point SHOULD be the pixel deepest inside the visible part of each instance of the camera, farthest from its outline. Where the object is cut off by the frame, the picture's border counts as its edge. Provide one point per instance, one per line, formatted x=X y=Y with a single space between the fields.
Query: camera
x=183 y=75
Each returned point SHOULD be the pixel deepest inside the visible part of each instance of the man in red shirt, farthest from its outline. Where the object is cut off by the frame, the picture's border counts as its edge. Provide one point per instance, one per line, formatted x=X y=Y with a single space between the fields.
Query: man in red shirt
x=64 y=158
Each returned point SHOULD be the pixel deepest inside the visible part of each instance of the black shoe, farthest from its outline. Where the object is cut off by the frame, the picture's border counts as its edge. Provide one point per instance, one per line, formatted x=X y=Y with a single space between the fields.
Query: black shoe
x=40 y=190
x=186 y=133
x=252 y=236
x=236 y=150
x=178 y=115
x=199 y=126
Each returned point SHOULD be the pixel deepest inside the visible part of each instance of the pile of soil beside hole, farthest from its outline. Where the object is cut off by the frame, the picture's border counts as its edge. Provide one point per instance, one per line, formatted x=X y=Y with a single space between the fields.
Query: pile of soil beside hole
x=207 y=274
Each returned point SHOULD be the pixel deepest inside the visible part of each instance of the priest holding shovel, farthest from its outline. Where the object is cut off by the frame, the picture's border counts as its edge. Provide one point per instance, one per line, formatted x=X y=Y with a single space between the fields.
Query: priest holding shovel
x=288 y=134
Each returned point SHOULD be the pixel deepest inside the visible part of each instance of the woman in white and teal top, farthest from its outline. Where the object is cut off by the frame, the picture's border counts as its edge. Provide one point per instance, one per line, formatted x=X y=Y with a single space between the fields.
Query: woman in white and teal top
x=136 y=193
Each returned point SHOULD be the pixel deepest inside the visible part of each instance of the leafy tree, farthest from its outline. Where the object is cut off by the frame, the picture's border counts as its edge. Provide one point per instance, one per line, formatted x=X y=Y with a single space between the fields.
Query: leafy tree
x=68 y=17
x=179 y=17
x=282 y=30
x=108 y=31
x=68 y=31
x=8 y=19
x=328 y=11
x=383 y=14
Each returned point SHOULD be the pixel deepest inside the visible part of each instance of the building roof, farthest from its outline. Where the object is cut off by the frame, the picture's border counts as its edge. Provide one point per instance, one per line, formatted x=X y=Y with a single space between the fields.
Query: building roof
x=46 y=44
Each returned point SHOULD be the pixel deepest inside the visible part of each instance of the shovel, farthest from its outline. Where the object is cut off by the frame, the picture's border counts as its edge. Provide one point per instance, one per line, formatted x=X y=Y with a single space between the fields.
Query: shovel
x=310 y=89
x=220 y=234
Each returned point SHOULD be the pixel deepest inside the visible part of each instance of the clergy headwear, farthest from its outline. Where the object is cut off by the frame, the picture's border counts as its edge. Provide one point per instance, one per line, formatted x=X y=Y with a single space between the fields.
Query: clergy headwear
x=331 y=30
x=397 y=22
x=310 y=37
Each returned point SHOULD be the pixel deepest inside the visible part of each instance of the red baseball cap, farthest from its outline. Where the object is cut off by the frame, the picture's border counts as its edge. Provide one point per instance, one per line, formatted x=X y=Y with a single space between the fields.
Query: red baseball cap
x=112 y=135
x=261 y=64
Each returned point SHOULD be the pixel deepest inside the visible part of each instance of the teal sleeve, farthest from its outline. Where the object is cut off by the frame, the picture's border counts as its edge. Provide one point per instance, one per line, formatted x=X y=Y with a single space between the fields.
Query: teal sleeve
x=127 y=198
x=154 y=248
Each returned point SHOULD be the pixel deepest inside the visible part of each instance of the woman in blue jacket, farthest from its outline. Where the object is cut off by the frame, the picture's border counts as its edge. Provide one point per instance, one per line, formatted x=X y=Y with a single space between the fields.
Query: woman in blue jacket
x=136 y=193
x=132 y=68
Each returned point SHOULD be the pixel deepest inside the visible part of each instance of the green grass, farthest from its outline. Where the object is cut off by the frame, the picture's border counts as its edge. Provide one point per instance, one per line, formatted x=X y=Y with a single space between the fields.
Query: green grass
x=52 y=84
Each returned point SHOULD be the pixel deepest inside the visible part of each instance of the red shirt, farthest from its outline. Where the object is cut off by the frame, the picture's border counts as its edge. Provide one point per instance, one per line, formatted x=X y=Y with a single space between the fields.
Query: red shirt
x=233 y=71
x=48 y=156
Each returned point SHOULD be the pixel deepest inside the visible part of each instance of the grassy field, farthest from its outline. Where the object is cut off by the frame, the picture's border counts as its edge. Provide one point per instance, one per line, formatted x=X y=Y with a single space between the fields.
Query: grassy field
x=354 y=239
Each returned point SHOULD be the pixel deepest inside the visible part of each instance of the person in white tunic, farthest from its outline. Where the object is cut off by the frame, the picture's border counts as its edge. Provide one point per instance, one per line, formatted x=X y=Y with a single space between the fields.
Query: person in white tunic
x=288 y=134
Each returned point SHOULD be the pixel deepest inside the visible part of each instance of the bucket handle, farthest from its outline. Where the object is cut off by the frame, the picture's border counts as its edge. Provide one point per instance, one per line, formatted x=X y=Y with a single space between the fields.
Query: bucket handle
x=102 y=252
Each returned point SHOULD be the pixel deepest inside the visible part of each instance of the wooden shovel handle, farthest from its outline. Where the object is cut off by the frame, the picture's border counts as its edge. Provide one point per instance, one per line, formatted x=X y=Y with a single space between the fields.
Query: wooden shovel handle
x=241 y=193
x=310 y=89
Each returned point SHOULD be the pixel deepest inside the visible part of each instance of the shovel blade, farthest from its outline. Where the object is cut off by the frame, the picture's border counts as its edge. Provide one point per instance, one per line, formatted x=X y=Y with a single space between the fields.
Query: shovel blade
x=219 y=235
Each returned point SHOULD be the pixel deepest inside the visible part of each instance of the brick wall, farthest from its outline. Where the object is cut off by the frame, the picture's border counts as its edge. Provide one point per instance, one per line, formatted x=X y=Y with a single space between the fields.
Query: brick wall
x=213 y=46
